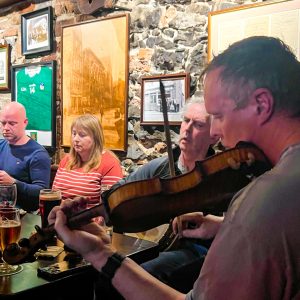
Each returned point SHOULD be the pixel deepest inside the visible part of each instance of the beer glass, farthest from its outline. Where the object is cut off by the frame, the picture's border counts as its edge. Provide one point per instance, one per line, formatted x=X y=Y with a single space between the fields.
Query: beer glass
x=48 y=199
x=10 y=228
x=8 y=195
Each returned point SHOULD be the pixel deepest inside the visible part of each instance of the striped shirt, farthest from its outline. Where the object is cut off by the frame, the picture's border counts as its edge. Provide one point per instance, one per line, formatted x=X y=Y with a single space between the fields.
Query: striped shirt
x=75 y=182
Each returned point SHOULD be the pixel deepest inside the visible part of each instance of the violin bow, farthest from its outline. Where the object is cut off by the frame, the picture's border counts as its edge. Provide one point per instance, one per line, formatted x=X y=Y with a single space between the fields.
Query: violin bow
x=168 y=141
x=167 y=128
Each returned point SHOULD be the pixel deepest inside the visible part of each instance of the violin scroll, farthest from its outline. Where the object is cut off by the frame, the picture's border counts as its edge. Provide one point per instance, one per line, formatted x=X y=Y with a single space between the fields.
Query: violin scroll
x=26 y=248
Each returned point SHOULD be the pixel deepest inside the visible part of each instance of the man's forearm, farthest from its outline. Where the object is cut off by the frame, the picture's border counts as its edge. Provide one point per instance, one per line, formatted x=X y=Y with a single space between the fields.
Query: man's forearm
x=132 y=281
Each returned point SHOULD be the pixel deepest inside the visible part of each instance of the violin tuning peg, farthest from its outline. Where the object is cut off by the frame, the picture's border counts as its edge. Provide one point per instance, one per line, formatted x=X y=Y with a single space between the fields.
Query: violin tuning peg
x=24 y=242
x=39 y=230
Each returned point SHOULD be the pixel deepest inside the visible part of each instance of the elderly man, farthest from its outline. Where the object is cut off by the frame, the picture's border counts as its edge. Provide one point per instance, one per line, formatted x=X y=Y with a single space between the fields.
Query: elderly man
x=22 y=160
x=252 y=92
x=194 y=145
x=180 y=267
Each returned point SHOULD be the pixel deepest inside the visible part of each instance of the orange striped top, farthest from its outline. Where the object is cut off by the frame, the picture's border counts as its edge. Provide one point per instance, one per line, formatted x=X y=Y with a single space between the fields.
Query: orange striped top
x=78 y=183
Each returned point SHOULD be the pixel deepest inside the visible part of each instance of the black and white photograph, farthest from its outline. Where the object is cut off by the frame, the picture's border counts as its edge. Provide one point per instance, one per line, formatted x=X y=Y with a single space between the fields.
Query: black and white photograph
x=37 y=31
x=176 y=92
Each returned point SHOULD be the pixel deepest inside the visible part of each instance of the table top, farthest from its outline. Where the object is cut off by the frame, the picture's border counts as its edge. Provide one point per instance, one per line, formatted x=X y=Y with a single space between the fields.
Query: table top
x=27 y=280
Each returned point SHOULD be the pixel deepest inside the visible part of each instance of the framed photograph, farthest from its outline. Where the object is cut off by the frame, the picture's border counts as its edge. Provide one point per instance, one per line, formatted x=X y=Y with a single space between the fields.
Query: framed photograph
x=278 y=19
x=4 y=67
x=177 y=87
x=37 y=31
x=95 y=77
x=34 y=86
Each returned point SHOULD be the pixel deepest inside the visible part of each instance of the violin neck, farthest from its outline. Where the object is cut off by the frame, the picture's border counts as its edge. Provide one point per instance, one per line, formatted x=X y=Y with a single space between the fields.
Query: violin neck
x=83 y=217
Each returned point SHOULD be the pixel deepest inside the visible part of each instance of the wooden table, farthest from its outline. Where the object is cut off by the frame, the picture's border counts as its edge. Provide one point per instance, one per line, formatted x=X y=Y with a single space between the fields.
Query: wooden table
x=27 y=285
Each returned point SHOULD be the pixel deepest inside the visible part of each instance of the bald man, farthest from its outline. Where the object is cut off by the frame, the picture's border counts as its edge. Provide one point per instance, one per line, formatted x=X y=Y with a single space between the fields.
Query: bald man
x=22 y=160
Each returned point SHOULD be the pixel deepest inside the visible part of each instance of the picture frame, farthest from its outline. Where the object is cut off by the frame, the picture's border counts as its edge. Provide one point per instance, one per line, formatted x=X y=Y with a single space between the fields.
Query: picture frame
x=278 y=19
x=37 y=31
x=177 y=88
x=95 y=77
x=4 y=67
x=34 y=86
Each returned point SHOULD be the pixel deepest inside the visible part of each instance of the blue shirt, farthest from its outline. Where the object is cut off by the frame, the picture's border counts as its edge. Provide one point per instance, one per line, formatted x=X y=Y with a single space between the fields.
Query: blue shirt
x=29 y=165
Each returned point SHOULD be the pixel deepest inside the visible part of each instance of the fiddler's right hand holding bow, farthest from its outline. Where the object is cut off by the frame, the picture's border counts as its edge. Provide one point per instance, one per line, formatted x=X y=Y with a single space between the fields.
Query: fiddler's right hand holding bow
x=197 y=225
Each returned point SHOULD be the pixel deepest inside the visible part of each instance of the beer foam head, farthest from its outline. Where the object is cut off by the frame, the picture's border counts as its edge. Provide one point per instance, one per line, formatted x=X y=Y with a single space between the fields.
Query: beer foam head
x=50 y=195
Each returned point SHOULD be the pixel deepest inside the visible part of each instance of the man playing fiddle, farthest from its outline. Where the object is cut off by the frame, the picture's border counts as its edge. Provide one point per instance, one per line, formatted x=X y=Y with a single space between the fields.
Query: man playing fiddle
x=252 y=92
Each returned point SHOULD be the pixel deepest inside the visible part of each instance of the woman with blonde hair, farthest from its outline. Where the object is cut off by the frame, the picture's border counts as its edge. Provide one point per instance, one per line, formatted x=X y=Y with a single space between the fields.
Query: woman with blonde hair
x=88 y=168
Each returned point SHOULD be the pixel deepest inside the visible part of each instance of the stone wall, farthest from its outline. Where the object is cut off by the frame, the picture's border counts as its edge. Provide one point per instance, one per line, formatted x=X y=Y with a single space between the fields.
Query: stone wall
x=166 y=36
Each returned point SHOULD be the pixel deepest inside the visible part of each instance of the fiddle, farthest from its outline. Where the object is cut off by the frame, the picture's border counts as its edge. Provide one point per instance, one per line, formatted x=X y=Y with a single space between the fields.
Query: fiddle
x=209 y=187
x=141 y=205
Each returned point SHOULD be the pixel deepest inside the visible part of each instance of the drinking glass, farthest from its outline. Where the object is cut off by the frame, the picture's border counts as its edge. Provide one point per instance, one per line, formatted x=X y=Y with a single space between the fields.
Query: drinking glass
x=8 y=195
x=10 y=228
x=48 y=199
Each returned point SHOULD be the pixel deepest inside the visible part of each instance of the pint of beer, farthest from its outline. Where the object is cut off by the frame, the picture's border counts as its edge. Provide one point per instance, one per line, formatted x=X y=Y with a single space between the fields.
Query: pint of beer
x=48 y=199
x=10 y=226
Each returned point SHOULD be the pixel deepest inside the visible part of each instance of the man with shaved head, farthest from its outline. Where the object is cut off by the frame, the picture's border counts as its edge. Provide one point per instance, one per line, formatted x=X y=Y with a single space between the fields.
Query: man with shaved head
x=22 y=160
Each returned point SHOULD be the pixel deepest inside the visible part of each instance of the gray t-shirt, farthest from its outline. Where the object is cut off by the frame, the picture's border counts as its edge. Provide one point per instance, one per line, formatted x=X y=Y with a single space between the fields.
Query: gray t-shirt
x=256 y=253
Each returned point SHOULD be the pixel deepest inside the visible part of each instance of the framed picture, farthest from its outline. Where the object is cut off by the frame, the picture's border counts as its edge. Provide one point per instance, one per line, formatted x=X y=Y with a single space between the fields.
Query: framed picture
x=177 y=87
x=34 y=86
x=278 y=19
x=37 y=31
x=4 y=67
x=95 y=77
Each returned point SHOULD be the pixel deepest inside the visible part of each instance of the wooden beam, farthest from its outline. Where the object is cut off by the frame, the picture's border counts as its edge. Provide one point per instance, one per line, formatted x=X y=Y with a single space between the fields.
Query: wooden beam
x=4 y=3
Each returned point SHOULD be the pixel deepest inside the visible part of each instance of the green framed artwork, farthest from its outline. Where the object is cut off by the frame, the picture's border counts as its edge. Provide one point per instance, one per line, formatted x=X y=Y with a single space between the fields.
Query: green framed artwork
x=33 y=85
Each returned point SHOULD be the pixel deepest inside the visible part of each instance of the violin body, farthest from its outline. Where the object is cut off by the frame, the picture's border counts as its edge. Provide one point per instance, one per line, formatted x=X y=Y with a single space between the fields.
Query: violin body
x=142 y=205
x=138 y=206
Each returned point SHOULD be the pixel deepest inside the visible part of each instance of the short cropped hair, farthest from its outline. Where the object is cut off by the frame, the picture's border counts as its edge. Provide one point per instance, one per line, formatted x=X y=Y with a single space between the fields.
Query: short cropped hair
x=190 y=101
x=193 y=100
x=260 y=62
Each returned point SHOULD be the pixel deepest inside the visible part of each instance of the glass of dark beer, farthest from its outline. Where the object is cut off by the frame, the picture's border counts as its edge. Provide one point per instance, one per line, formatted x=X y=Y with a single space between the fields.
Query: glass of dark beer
x=48 y=199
